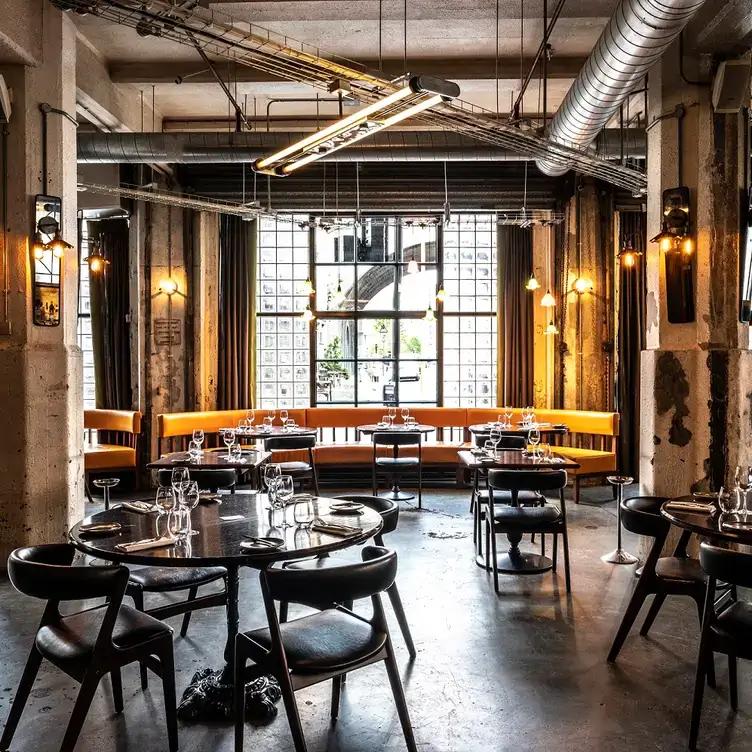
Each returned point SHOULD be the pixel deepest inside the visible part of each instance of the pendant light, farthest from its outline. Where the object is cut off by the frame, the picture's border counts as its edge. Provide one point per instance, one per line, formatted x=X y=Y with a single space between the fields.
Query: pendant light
x=339 y=296
x=430 y=317
x=532 y=284
x=551 y=329
x=442 y=295
x=412 y=267
x=308 y=287
x=307 y=315
x=548 y=300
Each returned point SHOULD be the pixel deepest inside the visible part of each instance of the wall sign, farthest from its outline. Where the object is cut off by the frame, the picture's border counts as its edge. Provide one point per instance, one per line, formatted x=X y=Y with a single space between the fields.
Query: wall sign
x=167 y=332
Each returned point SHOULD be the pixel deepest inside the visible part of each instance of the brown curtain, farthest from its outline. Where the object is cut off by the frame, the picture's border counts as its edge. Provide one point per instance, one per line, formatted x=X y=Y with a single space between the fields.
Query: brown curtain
x=515 y=316
x=631 y=334
x=110 y=309
x=237 y=299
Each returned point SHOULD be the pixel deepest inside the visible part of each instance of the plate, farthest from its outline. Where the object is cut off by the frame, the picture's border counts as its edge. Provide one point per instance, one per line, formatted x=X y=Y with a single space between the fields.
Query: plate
x=262 y=544
x=100 y=528
x=346 y=507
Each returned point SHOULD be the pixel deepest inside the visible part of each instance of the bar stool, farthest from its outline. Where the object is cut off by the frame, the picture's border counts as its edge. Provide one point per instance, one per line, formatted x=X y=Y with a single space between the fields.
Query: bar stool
x=106 y=484
x=619 y=556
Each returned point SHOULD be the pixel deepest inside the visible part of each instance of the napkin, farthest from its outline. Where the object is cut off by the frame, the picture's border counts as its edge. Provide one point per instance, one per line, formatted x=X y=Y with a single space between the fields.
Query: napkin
x=146 y=544
x=331 y=528
x=141 y=507
x=688 y=506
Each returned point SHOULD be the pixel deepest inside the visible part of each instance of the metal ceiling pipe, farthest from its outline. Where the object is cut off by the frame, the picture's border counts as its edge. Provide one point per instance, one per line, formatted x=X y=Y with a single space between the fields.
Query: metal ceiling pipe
x=639 y=32
x=388 y=146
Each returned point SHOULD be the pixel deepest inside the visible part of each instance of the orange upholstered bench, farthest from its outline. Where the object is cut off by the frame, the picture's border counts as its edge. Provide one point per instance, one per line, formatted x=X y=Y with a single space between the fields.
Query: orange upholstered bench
x=116 y=450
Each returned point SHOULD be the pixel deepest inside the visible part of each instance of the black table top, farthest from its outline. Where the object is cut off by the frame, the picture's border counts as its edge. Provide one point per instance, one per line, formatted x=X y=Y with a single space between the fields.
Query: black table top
x=397 y=427
x=706 y=525
x=514 y=459
x=517 y=430
x=218 y=541
x=258 y=433
x=211 y=459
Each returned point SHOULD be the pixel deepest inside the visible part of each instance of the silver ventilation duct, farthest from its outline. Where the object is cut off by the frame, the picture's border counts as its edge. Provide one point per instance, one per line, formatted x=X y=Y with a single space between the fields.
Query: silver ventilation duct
x=388 y=146
x=639 y=32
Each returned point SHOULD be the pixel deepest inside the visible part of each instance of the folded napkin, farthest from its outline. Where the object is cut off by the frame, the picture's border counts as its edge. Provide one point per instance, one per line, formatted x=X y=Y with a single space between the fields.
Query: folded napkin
x=332 y=528
x=141 y=507
x=146 y=544
x=689 y=506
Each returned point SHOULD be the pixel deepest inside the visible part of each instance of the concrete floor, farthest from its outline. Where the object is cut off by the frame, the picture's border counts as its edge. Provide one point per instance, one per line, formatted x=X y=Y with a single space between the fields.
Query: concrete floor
x=524 y=670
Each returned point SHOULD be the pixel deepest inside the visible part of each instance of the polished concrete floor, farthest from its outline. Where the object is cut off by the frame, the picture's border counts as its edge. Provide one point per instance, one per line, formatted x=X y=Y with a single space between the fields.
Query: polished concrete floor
x=524 y=670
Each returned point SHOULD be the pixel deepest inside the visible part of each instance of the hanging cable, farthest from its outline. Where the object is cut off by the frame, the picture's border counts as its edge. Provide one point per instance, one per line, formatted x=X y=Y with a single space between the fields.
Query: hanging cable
x=381 y=9
x=405 y=50
x=496 y=62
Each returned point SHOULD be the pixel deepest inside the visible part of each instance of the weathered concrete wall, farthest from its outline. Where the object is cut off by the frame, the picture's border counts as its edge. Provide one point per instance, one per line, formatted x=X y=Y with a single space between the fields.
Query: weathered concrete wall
x=41 y=404
x=543 y=344
x=205 y=300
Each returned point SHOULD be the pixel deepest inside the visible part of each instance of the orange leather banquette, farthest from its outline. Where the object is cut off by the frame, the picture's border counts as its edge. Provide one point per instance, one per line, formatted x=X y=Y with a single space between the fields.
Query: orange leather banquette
x=117 y=447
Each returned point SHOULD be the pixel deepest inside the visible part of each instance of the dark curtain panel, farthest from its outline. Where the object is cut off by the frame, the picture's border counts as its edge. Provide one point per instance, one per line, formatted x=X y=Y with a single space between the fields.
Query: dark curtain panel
x=515 y=316
x=631 y=334
x=110 y=307
x=237 y=271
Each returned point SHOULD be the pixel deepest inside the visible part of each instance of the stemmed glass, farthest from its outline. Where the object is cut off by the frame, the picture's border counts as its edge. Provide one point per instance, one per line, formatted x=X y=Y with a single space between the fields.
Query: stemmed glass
x=165 y=500
x=392 y=411
x=531 y=416
x=271 y=473
x=271 y=413
x=284 y=490
x=179 y=481
x=268 y=424
x=742 y=484
x=250 y=416
x=190 y=502
x=508 y=412
x=495 y=437
x=229 y=438
x=405 y=412
x=489 y=448
x=283 y=415
x=198 y=437
x=534 y=438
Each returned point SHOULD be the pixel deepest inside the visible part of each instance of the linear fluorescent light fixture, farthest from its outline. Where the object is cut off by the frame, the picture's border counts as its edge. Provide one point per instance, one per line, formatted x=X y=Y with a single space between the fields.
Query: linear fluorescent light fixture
x=421 y=93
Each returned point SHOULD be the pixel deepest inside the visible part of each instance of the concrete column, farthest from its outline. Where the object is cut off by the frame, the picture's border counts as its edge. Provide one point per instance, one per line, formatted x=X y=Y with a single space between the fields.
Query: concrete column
x=205 y=309
x=543 y=344
x=41 y=423
x=695 y=417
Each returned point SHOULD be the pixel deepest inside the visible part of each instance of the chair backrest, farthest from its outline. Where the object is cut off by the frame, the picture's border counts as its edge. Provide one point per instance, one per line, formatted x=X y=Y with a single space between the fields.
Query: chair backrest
x=527 y=480
x=211 y=479
x=46 y=572
x=127 y=421
x=397 y=438
x=733 y=567
x=507 y=442
x=388 y=509
x=277 y=443
x=331 y=585
x=640 y=521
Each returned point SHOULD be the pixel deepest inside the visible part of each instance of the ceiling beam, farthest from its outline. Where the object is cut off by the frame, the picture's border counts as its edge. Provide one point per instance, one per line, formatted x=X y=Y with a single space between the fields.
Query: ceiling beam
x=464 y=69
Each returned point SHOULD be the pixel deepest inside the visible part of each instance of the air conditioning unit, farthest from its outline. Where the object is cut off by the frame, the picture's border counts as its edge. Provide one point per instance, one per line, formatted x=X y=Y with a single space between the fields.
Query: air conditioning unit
x=731 y=86
x=5 y=107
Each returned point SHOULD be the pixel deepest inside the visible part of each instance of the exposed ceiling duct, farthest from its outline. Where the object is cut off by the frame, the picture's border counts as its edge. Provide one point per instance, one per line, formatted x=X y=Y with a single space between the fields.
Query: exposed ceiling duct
x=388 y=146
x=639 y=32
x=247 y=44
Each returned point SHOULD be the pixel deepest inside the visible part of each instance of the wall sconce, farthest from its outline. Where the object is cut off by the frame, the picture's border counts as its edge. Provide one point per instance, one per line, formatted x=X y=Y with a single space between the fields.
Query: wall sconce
x=58 y=246
x=38 y=247
x=307 y=314
x=628 y=255
x=551 y=329
x=96 y=261
x=430 y=317
x=582 y=285
x=308 y=287
x=168 y=286
x=532 y=284
x=548 y=300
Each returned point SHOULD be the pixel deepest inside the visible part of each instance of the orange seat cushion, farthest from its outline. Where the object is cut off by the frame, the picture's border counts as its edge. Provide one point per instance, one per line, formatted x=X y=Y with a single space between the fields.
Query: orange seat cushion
x=109 y=457
x=347 y=454
x=590 y=460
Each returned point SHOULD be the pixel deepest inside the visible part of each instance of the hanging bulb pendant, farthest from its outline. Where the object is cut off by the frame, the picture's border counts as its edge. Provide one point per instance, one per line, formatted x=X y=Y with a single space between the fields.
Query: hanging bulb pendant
x=548 y=300
x=532 y=283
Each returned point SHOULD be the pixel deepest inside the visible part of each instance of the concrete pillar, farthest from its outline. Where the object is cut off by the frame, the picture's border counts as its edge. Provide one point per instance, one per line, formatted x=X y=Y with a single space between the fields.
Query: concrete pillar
x=543 y=344
x=41 y=423
x=695 y=417
x=205 y=309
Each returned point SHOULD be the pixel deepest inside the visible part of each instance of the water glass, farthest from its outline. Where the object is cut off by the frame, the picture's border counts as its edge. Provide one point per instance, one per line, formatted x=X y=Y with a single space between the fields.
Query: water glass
x=291 y=424
x=410 y=422
x=489 y=448
x=243 y=425
x=303 y=513
x=190 y=502
x=283 y=415
x=545 y=452
x=229 y=438
x=178 y=523
x=198 y=437
x=384 y=420
x=268 y=423
x=194 y=450
x=236 y=452
x=271 y=413
x=534 y=438
x=165 y=500
x=728 y=501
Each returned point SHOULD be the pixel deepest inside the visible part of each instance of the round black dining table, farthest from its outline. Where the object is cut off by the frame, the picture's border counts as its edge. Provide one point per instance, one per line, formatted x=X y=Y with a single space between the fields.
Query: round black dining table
x=517 y=430
x=221 y=528
x=256 y=432
x=713 y=526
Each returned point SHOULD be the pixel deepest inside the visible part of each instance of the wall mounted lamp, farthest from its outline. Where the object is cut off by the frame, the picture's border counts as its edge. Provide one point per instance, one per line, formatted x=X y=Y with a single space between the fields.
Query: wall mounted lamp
x=582 y=285
x=532 y=284
x=168 y=286
x=96 y=261
x=442 y=295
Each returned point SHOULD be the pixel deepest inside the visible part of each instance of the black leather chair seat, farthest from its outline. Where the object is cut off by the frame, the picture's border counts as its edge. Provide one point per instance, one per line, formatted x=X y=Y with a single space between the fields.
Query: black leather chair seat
x=505 y=497
x=526 y=518
x=648 y=504
x=295 y=467
x=735 y=623
x=73 y=639
x=165 y=579
x=210 y=480
x=397 y=462
x=677 y=568
x=329 y=640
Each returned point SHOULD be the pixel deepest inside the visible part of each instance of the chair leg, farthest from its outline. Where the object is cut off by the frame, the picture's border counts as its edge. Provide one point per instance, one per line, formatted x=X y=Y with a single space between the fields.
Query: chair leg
x=565 y=543
x=239 y=694
x=655 y=607
x=138 y=602
x=192 y=593
x=399 y=611
x=488 y=545
x=694 y=725
x=80 y=710
x=543 y=544
x=555 y=551
x=22 y=695
x=576 y=490
x=420 y=486
x=733 y=696
x=167 y=659
x=399 y=698
x=711 y=659
x=494 y=561
x=630 y=615
x=293 y=717
x=283 y=608
x=117 y=689
x=336 y=693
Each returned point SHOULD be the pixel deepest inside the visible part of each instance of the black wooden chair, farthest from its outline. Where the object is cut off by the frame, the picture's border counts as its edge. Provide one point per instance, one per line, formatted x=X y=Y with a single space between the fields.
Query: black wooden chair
x=396 y=466
x=89 y=644
x=325 y=645
x=389 y=511
x=661 y=576
x=299 y=470
x=515 y=519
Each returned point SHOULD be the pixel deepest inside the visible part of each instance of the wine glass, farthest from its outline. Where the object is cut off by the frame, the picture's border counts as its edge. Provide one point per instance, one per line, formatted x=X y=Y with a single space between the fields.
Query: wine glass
x=165 y=500
x=198 y=437
x=489 y=448
x=229 y=438
x=250 y=416
x=179 y=480
x=392 y=411
x=534 y=438
x=728 y=501
x=742 y=482
x=190 y=502
x=271 y=413
x=272 y=471
x=495 y=437
x=283 y=415
x=531 y=416
x=384 y=420
x=508 y=412
x=284 y=490
x=194 y=450
x=405 y=412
